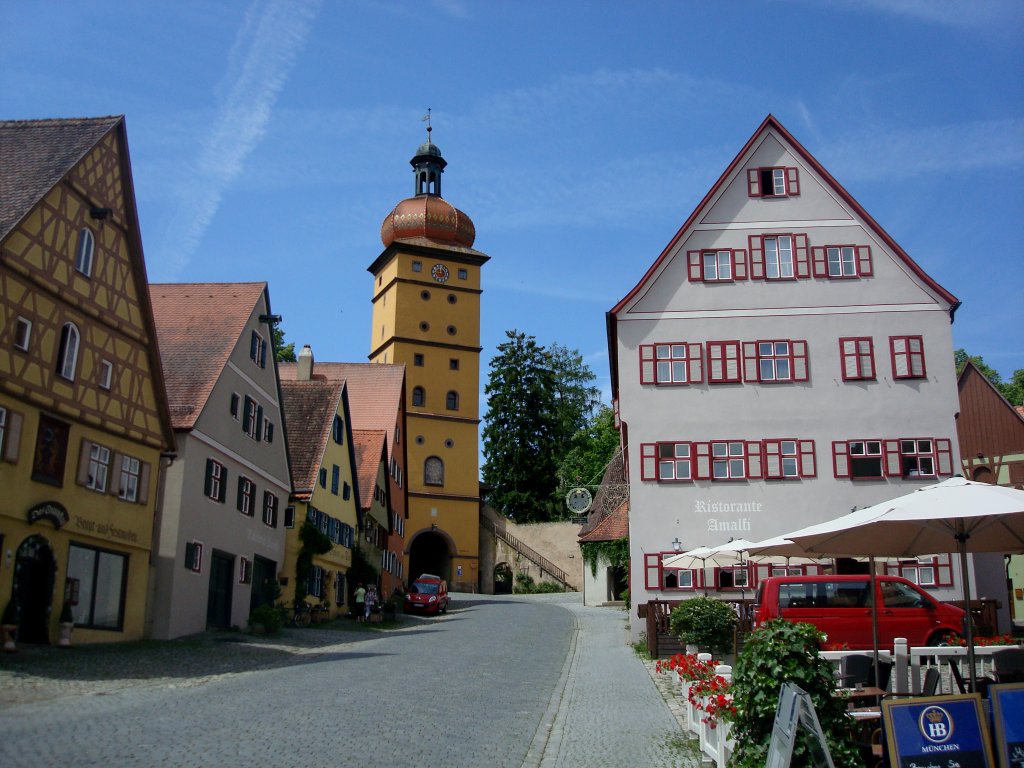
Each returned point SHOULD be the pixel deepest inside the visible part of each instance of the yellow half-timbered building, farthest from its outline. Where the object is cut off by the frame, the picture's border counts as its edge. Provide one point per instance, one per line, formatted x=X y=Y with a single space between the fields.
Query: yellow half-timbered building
x=83 y=414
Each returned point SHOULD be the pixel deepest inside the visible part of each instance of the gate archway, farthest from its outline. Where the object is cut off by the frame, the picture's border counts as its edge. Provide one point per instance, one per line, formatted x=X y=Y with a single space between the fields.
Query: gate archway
x=430 y=552
x=503 y=579
x=35 y=569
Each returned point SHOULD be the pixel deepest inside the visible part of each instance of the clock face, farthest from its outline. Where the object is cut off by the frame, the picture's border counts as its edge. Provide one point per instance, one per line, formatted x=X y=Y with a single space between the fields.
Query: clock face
x=579 y=500
x=439 y=272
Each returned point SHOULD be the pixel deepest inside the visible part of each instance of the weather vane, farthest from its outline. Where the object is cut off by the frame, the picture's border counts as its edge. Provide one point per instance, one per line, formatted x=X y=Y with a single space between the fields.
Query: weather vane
x=426 y=119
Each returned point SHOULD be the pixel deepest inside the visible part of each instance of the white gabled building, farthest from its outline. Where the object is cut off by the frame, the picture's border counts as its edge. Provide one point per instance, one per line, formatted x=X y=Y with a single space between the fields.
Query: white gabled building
x=781 y=362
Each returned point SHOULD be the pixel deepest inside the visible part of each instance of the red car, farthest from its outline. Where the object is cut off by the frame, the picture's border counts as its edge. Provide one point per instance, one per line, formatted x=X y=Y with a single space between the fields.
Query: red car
x=427 y=595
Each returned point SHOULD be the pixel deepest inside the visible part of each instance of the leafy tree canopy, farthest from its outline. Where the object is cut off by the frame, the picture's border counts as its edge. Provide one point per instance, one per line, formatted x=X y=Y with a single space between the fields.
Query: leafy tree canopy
x=591 y=449
x=1012 y=390
x=285 y=353
x=537 y=400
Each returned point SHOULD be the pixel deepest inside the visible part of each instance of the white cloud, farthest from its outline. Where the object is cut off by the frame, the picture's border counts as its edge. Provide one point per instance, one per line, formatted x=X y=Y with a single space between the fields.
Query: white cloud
x=263 y=53
x=876 y=154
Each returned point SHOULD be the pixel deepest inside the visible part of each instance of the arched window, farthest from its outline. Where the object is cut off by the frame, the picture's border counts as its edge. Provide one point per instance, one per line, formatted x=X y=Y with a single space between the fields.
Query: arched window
x=451 y=401
x=67 y=358
x=419 y=397
x=83 y=254
x=433 y=471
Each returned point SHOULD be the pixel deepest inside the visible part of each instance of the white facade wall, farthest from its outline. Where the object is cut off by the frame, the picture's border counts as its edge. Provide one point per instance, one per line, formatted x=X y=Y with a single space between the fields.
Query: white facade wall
x=668 y=307
x=188 y=515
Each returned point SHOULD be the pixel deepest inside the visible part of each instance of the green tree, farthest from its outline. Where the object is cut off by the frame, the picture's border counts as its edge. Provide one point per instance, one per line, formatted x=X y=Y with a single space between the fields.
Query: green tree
x=284 y=353
x=1012 y=390
x=537 y=400
x=591 y=449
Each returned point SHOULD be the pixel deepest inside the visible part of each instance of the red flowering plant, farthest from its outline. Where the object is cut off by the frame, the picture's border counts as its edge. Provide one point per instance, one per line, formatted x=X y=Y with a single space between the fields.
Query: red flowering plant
x=981 y=642
x=714 y=697
x=687 y=666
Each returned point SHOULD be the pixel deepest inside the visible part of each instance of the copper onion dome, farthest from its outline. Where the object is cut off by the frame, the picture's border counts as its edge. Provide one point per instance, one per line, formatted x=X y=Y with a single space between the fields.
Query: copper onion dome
x=427 y=214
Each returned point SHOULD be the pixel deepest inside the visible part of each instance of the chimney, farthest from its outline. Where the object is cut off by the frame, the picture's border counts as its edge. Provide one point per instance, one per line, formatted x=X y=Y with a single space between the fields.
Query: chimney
x=305 y=364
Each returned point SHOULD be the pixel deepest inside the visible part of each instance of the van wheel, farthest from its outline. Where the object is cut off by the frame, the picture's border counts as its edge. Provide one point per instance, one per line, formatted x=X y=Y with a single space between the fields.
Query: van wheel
x=938 y=638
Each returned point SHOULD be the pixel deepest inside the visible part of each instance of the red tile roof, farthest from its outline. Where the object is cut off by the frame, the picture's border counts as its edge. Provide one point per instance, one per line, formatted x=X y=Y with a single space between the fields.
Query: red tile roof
x=374 y=391
x=612 y=526
x=36 y=154
x=309 y=408
x=198 y=326
x=369 y=445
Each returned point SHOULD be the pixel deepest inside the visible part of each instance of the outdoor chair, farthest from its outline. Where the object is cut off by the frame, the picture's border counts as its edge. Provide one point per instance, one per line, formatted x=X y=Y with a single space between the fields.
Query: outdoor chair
x=856 y=668
x=930 y=686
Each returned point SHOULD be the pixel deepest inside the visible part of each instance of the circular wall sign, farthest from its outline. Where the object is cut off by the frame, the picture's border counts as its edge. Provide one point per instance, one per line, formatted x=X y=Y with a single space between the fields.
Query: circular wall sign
x=579 y=500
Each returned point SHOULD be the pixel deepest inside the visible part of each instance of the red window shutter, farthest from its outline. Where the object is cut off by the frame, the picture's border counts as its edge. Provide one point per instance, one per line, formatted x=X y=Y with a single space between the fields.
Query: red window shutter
x=716 y=365
x=648 y=461
x=840 y=458
x=944 y=454
x=702 y=470
x=802 y=267
x=772 y=459
x=756 y=257
x=792 y=181
x=754 y=459
x=915 y=346
x=739 y=264
x=808 y=465
x=695 y=363
x=819 y=261
x=891 y=449
x=864 y=266
x=696 y=270
x=753 y=182
x=800 y=368
x=750 y=367
x=732 y=360
x=652 y=571
x=647 y=364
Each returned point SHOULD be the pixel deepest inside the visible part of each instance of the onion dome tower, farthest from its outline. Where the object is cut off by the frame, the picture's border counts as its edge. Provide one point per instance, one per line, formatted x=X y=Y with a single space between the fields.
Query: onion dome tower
x=426 y=316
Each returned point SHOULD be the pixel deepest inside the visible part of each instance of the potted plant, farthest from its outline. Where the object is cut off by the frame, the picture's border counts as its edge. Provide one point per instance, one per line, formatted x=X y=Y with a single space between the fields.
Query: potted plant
x=704 y=622
x=9 y=625
x=67 y=624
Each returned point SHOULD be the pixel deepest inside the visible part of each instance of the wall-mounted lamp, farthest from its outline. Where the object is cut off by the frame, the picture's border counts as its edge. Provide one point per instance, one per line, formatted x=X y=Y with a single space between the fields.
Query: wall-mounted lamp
x=433 y=526
x=101 y=213
x=677 y=545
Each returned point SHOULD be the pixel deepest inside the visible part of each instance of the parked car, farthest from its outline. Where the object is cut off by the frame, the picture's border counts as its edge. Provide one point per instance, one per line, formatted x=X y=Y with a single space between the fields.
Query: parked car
x=840 y=606
x=428 y=595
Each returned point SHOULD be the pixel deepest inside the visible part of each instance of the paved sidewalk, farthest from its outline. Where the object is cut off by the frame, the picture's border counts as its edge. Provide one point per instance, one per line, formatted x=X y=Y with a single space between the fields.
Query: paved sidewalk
x=609 y=708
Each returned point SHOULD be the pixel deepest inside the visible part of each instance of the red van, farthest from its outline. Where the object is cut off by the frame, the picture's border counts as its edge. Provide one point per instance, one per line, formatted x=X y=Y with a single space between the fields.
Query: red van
x=840 y=606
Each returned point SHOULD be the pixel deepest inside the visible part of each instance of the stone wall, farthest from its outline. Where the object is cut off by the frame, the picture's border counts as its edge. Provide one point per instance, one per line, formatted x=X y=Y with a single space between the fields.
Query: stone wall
x=555 y=541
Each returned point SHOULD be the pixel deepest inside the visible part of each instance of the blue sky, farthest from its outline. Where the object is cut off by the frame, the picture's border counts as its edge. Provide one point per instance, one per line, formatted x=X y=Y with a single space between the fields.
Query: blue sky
x=269 y=139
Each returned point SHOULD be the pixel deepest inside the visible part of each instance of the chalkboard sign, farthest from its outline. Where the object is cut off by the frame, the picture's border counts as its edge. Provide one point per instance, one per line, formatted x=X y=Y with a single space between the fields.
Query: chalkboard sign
x=1008 y=717
x=937 y=731
x=795 y=708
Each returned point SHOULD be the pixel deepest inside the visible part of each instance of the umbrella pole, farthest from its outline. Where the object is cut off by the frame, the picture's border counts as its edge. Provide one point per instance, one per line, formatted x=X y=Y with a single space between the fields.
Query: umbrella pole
x=874 y=622
x=965 y=579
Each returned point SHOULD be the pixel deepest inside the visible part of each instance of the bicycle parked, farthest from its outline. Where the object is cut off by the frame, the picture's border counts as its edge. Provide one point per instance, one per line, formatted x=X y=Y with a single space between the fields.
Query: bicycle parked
x=305 y=614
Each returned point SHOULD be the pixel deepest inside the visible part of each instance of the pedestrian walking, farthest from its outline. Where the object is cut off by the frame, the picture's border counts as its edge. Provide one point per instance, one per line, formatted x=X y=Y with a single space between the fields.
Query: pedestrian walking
x=371 y=600
x=360 y=596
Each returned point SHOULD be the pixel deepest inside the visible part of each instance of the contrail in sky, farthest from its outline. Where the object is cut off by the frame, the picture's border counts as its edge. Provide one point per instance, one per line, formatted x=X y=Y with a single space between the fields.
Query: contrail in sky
x=264 y=51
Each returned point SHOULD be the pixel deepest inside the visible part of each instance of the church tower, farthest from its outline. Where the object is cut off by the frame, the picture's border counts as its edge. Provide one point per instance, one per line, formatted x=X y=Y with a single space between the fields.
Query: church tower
x=426 y=314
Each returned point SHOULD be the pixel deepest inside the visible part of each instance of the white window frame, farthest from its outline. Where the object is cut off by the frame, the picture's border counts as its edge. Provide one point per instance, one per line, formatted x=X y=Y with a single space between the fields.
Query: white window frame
x=842 y=260
x=918 y=451
x=99 y=467
x=70 y=338
x=84 y=251
x=246 y=496
x=716 y=265
x=769 y=354
x=779 y=257
x=131 y=473
x=673 y=457
x=106 y=374
x=729 y=460
x=22 y=333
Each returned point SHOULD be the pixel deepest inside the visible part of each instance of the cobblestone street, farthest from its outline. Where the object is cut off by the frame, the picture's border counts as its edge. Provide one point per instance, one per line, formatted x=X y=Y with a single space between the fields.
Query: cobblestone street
x=520 y=681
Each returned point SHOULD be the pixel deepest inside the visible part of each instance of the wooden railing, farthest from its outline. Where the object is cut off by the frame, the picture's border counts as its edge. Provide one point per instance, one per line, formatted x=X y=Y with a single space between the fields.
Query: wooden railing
x=545 y=565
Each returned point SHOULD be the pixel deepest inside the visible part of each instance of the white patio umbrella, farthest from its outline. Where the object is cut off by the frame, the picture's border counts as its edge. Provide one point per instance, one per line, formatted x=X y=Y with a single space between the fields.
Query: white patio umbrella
x=954 y=515
x=688 y=560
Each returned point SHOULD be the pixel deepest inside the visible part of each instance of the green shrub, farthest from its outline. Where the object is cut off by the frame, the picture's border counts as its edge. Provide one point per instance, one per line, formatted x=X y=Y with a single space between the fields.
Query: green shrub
x=525 y=584
x=783 y=652
x=269 y=616
x=549 y=586
x=705 y=622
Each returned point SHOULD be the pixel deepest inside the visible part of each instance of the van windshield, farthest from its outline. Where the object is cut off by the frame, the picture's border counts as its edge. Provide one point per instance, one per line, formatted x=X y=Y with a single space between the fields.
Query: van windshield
x=424 y=587
x=825 y=594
